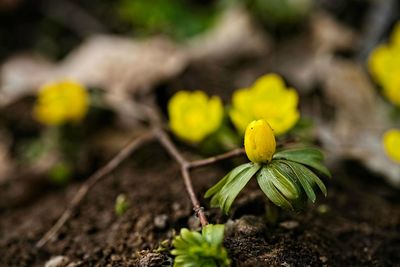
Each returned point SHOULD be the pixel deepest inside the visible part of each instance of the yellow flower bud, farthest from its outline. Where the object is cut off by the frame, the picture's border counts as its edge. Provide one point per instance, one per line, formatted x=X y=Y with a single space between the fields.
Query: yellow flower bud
x=259 y=141
x=391 y=143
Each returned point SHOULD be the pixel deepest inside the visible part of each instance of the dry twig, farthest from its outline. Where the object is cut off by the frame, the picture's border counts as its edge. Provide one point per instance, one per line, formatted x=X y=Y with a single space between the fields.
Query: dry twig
x=163 y=138
x=184 y=164
x=211 y=160
x=91 y=181
x=159 y=134
x=187 y=165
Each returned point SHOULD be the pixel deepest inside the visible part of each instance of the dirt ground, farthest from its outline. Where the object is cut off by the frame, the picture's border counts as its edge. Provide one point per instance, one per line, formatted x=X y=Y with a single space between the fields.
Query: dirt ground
x=356 y=225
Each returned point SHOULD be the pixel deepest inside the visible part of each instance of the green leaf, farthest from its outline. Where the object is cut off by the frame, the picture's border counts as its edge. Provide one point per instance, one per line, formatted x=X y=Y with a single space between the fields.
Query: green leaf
x=232 y=174
x=285 y=182
x=203 y=249
x=319 y=167
x=180 y=19
x=296 y=153
x=311 y=157
x=310 y=176
x=224 y=192
x=232 y=188
x=305 y=183
x=191 y=237
x=214 y=234
x=264 y=179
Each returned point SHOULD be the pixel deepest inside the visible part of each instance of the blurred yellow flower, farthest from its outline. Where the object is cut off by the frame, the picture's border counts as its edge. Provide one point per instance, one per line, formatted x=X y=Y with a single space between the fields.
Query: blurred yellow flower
x=391 y=144
x=259 y=142
x=269 y=99
x=194 y=115
x=384 y=66
x=60 y=102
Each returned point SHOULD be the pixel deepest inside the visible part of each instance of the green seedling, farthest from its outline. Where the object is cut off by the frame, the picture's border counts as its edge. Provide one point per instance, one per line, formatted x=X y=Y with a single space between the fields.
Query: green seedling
x=205 y=249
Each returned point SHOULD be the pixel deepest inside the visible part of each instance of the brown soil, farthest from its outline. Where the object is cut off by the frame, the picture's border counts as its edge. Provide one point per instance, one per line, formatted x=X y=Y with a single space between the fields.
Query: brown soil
x=358 y=224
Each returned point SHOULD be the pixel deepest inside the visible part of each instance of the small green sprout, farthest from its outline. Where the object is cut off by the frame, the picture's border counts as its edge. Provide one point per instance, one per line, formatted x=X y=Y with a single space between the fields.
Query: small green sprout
x=121 y=204
x=285 y=177
x=61 y=173
x=205 y=249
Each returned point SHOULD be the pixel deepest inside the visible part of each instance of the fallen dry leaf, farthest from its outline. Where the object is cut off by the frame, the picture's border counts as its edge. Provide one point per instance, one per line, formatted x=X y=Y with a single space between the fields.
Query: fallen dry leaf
x=234 y=36
x=21 y=75
x=122 y=66
x=299 y=56
x=360 y=119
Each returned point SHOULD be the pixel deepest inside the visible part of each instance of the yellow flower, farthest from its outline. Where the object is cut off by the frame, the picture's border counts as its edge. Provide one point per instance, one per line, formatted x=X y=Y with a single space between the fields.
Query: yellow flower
x=384 y=66
x=259 y=141
x=268 y=99
x=193 y=115
x=391 y=144
x=60 y=102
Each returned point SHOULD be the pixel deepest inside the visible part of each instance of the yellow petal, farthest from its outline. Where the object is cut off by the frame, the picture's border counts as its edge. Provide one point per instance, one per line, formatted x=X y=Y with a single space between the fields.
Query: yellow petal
x=60 y=102
x=267 y=99
x=242 y=98
x=193 y=115
x=273 y=82
x=377 y=62
x=391 y=143
x=384 y=66
x=285 y=123
x=391 y=89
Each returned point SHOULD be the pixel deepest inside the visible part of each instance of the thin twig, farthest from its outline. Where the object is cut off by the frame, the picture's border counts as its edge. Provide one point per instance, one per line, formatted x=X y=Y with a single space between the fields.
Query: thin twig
x=184 y=164
x=169 y=146
x=163 y=138
x=165 y=141
x=91 y=181
x=230 y=154
x=199 y=211
x=156 y=133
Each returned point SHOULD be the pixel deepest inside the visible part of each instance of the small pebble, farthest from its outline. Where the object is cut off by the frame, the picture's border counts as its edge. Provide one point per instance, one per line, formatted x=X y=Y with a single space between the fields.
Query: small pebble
x=289 y=225
x=115 y=257
x=160 y=221
x=322 y=209
x=57 y=261
x=75 y=264
x=176 y=206
x=247 y=225
x=323 y=259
